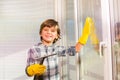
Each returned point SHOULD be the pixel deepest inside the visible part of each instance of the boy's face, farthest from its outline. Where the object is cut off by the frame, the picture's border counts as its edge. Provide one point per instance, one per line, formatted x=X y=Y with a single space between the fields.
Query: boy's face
x=48 y=34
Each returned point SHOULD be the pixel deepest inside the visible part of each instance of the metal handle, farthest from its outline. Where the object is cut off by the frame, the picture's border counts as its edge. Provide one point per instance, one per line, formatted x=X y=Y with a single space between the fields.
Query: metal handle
x=102 y=46
x=41 y=59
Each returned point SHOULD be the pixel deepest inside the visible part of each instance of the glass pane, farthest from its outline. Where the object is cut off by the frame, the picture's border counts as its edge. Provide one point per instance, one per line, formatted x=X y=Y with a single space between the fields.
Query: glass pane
x=70 y=36
x=92 y=64
x=69 y=68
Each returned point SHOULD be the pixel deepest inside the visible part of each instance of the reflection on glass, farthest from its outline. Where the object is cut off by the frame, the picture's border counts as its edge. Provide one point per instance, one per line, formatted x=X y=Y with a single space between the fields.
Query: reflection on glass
x=93 y=37
x=117 y=32
x=117 y=48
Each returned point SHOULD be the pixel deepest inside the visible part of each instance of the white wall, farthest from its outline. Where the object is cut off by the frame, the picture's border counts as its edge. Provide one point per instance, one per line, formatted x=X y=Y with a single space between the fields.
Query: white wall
x=19 y=29
x=13 y=66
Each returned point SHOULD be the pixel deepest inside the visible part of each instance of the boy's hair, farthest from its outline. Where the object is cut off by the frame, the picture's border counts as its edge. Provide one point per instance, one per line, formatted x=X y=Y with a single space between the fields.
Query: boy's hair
x=50 y=23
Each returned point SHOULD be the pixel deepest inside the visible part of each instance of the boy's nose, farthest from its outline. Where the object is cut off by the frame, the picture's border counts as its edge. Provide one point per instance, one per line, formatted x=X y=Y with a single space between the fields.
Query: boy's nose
x=48 y=31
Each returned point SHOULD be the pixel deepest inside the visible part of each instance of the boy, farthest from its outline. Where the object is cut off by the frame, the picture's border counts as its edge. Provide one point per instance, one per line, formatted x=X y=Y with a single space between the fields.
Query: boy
x=50 y=33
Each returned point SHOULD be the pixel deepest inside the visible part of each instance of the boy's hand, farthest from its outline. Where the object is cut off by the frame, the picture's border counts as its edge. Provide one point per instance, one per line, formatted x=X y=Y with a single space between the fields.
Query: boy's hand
x=36 y=69
x=78 y=47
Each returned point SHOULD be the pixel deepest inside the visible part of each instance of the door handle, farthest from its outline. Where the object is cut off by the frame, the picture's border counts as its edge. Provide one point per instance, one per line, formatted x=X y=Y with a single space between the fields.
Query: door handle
x=102 y=46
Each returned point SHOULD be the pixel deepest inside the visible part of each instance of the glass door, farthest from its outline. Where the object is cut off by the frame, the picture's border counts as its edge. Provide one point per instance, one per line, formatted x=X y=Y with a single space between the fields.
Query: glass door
x=96 y=54
x=94 y=60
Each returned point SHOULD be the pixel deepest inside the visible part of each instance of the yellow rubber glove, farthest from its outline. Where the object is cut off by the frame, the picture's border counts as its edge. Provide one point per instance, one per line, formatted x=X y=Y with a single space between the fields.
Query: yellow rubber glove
x=36 y=69
x=86 y=31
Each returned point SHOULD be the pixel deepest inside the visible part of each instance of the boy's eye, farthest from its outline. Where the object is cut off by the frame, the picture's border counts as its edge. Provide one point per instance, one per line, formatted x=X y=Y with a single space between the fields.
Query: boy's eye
x=53 y=30
x=50 y=29
x=45 y=29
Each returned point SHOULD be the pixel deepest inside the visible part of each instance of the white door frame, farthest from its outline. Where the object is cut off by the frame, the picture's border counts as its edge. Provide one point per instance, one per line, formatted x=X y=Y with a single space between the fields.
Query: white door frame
x=107 y=39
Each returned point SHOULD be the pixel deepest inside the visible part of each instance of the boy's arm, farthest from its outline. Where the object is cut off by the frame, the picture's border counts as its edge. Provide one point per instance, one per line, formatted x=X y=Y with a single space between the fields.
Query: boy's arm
x=85 y=34
x=78 y=47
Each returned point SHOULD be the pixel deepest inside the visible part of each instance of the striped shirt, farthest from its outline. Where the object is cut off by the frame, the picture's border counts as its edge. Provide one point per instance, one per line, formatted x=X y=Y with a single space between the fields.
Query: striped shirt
x=51 y=63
